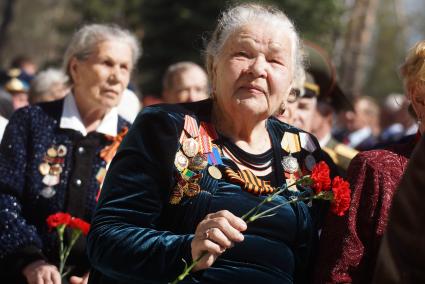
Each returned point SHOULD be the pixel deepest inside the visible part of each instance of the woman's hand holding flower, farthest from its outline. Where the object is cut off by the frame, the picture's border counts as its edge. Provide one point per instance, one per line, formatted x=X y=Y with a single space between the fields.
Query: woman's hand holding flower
x=216 y=233
x=41 y=272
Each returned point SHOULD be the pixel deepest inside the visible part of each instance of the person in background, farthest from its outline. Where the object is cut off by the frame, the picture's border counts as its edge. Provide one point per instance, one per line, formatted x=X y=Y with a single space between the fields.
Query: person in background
x=401 y=257
x=396 y=119
x=48 y=85
x=17 y=89
x=26 y=66
x=374 y=176
x=184 y=82
x=362 y=124
x=313 y=110
x=54 y=155
x=165 y=201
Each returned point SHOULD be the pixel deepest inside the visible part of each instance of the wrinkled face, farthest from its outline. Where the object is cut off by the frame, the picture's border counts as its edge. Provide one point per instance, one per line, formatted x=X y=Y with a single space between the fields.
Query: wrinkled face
x=188 y=86
x=253 y=73
x=100 y=80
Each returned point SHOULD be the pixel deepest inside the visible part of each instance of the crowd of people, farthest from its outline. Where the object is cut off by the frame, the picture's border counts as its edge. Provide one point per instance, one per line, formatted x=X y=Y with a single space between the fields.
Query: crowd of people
x=166 y=188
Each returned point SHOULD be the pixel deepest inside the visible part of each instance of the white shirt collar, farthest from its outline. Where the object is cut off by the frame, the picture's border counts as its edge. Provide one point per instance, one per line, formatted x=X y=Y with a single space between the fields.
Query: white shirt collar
x=325 y=140
x=359 y=136
x=71 y=119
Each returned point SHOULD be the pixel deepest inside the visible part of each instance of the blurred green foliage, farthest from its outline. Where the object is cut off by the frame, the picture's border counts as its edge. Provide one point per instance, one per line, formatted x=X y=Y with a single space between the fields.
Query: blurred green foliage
x=176 y=30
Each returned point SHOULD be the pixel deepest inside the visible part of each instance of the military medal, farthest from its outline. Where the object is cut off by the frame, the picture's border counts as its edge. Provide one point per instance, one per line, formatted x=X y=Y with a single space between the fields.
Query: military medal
x=44 y=168
x=190 y=147
x=290 y=164
x=310 y=162
x=48 y=192
x=214 y=172
x=61 y=151
x=55 y=170
x=192 y=189
x=50 y=180
x=199 y=162
x=180 y=161
x=52 y=153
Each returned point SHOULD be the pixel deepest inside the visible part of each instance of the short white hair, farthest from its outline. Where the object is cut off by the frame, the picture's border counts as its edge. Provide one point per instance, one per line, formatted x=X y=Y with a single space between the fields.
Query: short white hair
x=43 y=82
x=88 y=37
x=241 y=15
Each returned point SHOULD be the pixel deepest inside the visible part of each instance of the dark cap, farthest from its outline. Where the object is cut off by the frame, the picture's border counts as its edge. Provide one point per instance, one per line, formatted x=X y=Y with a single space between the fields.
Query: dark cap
x=321 y=68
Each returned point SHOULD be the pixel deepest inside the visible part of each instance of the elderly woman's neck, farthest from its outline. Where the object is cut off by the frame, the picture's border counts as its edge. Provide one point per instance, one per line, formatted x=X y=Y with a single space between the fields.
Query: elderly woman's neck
x=247 y=132
x=90 y=116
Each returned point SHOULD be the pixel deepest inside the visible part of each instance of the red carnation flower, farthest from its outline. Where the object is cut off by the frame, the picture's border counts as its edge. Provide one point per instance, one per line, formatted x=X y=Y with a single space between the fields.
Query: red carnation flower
x=58 y=219
x=77 y=223
x=320 y=177
x=341 y=196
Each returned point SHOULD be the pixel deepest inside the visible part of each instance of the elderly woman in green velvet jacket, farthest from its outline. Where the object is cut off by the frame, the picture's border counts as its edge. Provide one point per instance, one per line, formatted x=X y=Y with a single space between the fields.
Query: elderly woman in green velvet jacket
x=185 y=172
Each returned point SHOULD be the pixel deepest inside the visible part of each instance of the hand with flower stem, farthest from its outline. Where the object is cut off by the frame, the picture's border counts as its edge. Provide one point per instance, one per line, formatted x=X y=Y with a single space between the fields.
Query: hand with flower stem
x=61 y=221
x=41 y=272
x=213 y=235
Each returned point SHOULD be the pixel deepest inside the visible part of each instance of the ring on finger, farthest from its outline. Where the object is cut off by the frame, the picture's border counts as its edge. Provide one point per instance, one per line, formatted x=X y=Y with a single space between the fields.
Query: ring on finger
x=207 y=234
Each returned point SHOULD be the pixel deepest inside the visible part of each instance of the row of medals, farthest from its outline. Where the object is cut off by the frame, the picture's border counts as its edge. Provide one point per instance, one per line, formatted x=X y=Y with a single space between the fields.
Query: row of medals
x=51 y=168
x=189 y=161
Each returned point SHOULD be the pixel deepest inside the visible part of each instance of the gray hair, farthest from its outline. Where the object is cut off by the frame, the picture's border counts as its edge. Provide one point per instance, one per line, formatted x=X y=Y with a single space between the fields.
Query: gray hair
x=43 y=81
x=240 y=15
x=85 y=40
x=178 y=68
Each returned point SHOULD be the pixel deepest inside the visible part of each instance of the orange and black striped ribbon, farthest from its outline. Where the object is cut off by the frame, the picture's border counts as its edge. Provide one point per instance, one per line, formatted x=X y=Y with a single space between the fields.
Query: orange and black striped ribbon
x=248 y=181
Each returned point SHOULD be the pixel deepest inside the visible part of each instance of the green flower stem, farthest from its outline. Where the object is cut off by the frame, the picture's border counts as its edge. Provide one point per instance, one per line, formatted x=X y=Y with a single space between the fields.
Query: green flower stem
x=60 y=229
x=74 y=237
x=187 y=269
x=251 y=216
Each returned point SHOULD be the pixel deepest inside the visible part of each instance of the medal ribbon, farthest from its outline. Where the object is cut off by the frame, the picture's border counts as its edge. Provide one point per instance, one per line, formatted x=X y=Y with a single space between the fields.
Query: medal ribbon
x=290 y=143
x=248 y=181
x=191 y=126
x=109 y=151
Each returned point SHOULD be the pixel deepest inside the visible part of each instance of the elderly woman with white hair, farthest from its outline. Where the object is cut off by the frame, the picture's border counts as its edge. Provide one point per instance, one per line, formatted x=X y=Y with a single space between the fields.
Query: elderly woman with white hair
x=185 y=173
x=48 y=85
x=53 y=156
